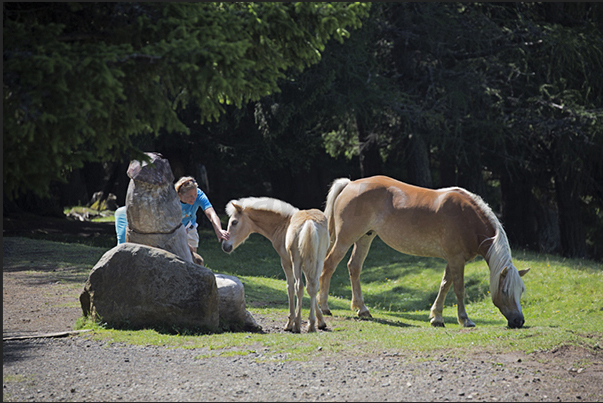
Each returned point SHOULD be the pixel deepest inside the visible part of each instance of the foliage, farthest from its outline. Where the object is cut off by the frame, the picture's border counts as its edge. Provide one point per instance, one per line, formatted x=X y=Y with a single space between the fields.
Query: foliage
x=82 y=80
x=488 y=92
x=503 y=99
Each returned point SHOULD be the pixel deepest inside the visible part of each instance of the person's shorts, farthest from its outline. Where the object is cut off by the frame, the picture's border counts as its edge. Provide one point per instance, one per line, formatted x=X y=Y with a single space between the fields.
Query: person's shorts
x=193 y=238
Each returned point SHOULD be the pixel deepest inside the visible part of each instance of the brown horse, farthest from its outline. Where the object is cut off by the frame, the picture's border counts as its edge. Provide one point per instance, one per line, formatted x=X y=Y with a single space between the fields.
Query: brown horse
x=300 y=237
x=450 y=223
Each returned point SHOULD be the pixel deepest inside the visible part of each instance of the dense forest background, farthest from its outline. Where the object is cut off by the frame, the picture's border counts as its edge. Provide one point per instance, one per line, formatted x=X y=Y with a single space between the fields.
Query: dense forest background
x=503 y=99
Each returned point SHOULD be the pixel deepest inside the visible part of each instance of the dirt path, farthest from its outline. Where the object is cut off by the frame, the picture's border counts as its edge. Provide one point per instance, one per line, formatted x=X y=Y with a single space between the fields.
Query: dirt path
x=77 y=368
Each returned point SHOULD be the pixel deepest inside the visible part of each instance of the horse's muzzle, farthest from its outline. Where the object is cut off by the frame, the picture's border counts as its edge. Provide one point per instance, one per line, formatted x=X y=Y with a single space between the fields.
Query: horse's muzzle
x=516 y=323
x=226 y=247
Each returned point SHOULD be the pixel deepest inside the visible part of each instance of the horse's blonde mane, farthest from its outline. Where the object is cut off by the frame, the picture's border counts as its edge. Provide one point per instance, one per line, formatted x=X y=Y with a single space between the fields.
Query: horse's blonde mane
x=262 y=203
x=499 y=254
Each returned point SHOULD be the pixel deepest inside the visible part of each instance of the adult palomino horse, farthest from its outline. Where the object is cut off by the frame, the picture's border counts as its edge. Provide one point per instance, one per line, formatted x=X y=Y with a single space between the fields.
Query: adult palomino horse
x=450 y=223
x=300 y=237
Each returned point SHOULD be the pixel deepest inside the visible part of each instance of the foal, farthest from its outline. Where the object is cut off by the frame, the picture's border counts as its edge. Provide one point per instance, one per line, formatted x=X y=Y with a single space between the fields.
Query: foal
x=300 y=237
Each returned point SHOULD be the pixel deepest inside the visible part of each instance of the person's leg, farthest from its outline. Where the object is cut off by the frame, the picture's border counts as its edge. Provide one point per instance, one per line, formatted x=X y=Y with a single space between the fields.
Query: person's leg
x=193 y=240
x=120 y=224
x=193 y=243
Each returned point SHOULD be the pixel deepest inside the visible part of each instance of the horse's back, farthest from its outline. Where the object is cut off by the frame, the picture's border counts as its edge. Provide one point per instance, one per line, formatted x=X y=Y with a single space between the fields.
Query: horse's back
x=412 y=219
x=313 y=217
x=376 y=200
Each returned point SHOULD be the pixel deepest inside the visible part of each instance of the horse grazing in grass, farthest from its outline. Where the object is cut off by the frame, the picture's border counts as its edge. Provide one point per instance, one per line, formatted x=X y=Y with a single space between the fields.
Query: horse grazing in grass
x=450 y=223
x=300 y=237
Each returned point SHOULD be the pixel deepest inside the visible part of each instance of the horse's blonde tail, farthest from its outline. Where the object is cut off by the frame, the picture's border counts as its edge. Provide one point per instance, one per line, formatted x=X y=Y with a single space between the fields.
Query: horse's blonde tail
x=309 y=244
x=336 y=187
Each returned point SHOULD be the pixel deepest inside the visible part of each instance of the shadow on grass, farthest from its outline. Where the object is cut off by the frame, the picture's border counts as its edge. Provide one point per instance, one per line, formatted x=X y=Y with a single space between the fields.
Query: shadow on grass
x=24 y=254
x=448 y=319
x=36 y=277
x=169 y=329
x=381 y=321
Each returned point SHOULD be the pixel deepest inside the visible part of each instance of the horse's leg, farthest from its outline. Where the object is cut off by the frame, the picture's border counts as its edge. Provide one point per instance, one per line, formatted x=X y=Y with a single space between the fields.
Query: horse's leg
x=321 y=321
x=299 y=291
x=359 y=253
x=312 y=316
x=453 y=276
x=286 y=263
x=458 y=281
x=333 y=258
x=437 y=320
x=312 y=288
x=314 y=297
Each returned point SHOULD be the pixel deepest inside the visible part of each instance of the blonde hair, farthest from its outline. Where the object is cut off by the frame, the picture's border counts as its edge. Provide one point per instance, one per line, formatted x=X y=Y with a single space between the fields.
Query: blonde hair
x=185 y=184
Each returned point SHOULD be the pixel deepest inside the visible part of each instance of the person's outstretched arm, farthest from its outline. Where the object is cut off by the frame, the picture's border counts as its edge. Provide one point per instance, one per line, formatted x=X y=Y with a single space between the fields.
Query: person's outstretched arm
x=215 y=222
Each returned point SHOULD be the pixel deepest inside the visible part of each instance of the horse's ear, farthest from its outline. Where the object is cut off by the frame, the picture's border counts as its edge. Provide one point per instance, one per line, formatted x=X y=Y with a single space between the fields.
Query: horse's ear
x=523 y=272
x=504 y=272
x=237 y=207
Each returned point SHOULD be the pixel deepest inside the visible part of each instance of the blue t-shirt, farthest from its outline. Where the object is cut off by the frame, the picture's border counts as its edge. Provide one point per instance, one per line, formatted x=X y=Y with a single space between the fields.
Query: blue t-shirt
x=189 y=212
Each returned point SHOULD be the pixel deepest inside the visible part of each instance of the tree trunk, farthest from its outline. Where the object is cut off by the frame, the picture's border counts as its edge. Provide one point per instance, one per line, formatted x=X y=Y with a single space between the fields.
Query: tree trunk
x=518 y=210
x=571 y=227
x=470 y=174
x=370 y=157
x=447 y=170
x=417 y=162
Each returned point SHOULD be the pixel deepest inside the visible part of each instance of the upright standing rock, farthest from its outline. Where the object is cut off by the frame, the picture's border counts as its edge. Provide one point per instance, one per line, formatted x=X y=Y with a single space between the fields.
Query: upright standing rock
x=153 y=207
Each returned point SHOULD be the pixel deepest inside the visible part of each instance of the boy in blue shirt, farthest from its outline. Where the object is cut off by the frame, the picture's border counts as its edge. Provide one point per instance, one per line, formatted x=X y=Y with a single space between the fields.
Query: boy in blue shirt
x=191 y=198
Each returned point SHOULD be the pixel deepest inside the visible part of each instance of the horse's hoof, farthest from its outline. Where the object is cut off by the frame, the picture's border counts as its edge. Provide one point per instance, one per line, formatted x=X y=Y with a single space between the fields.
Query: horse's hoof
x=468 y=323
x=322 y=326
x=437 y=324
x=326 y=312
x=365 y=314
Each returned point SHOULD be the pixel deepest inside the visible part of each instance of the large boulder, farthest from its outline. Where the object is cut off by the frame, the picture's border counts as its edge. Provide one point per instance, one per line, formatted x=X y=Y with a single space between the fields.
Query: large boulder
x=138 y=286
x=153 y=212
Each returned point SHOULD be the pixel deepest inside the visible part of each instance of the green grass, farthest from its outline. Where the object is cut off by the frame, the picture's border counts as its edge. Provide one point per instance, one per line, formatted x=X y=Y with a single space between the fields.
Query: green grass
x=564 y=303
x=95 y=214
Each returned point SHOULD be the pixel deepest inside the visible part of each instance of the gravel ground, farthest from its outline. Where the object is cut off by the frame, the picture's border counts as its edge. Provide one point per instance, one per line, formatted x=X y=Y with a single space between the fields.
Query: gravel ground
x=77 y=368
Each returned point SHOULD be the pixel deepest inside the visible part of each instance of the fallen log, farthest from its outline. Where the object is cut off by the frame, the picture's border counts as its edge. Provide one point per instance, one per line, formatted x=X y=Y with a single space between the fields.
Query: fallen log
x=37 y=336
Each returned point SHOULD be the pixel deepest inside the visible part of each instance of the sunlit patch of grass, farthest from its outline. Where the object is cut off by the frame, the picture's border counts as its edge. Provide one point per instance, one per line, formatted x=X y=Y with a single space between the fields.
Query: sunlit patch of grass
x=93 y=213
x=563 y=304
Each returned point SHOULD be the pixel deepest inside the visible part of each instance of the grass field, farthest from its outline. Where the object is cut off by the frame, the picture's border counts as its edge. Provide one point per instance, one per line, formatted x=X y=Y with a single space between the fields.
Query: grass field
x=563 y=305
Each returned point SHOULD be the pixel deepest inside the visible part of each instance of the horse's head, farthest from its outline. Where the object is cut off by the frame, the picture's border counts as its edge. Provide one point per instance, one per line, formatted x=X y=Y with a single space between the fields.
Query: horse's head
x=239 y=227
x=508 y=294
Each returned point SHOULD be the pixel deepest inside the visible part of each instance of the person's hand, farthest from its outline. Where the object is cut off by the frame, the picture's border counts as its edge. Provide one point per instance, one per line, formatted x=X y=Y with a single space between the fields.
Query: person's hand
x=223 y=235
